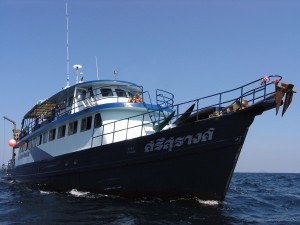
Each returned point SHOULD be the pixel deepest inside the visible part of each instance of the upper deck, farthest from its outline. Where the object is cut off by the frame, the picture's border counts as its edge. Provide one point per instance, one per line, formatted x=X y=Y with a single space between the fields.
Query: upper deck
x=84 y=95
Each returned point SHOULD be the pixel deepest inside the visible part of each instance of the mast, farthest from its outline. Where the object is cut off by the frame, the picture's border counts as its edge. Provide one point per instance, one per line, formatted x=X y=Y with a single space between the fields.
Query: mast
x=68 y=57
x=116 y=73
x=97 y=70
x=10 y=120
x=16 y=136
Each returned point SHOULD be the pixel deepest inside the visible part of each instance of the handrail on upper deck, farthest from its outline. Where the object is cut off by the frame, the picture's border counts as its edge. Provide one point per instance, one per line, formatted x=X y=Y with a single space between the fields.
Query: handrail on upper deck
x=253 y=92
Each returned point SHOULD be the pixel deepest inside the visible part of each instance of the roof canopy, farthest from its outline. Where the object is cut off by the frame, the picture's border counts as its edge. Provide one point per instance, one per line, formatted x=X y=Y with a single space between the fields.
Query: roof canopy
x=38 y=110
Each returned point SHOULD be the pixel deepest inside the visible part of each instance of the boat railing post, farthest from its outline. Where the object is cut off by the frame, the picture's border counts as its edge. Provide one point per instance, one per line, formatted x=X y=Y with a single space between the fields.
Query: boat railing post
x=127 y=127
x=265 y=90
x=102 y=134
x=197 y=109
x=92 y=136
x=220 y=99
x=177 y=112
x=142 y=125
x=113 y=132
x=242 y=94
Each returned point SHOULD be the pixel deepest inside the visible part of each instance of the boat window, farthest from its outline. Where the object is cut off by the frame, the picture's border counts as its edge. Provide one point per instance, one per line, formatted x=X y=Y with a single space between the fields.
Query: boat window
x=86 y=123
x=40 y=139
x=64 y=103
x=130 y=94
x=52 y=134
x=81 y=95
x=23 y=146
x=45 y=137
x=97 y=92
x=98 y=120
x=91 y=92
x=29 y=144
x=106 y=92
x=61 y=131
x=120 y=93
x=70 y=101
x=72 y=128
x=34 y=142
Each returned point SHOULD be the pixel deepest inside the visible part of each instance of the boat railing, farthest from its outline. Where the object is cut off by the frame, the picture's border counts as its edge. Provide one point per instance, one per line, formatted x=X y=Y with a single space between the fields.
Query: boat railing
x=125 y=129
x=71 y=106
x=252 y=92
x=164 y=98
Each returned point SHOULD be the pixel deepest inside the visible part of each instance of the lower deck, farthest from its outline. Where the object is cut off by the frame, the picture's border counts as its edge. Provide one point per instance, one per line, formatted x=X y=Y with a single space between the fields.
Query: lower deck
x=95 y=127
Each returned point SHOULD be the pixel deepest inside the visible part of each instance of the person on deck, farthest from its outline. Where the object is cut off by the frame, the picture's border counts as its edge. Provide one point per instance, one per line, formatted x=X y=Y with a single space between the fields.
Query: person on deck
x=136 y=99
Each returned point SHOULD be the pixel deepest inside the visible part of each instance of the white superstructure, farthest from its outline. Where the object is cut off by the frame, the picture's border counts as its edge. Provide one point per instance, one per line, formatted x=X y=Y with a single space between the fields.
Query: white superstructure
x=86 y=115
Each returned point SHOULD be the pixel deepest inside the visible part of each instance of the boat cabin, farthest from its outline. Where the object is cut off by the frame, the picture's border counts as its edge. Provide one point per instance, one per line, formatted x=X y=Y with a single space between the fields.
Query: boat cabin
x=77 y=98
x=86 y=115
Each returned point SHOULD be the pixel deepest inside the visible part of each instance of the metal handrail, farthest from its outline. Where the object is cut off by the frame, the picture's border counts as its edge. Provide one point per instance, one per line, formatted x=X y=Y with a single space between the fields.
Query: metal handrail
x=253 y=95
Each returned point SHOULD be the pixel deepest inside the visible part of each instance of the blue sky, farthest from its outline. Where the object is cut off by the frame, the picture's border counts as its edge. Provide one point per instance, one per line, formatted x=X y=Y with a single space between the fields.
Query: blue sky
x=189 y=48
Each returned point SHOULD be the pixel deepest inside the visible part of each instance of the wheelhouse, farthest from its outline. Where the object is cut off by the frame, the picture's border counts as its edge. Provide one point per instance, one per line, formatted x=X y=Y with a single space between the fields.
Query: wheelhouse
x=75 y=99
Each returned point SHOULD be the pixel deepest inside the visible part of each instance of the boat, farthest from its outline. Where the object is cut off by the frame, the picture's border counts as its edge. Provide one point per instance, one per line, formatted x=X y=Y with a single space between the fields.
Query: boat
x=5 y=172
x=110 y=137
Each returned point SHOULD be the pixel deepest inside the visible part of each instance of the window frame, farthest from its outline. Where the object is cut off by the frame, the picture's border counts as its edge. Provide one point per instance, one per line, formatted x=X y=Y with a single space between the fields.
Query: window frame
x=61 y=131
x=121 y=93
x=72 y=128
x=52 y=134
x=97 y=120
x=45 y=137
x=86 y=123
x=108 y=94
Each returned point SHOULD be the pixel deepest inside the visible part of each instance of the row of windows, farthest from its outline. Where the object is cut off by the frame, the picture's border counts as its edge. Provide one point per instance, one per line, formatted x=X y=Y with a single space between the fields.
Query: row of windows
x=107 y=92
x=86 y=124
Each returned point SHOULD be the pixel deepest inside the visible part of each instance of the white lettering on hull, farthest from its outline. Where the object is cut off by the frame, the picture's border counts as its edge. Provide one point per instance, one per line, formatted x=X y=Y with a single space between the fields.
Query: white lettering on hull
x=172 y=143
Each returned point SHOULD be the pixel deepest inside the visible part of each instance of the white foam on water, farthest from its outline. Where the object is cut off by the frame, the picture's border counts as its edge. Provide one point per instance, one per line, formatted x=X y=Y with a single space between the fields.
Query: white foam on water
x=199 y=201
x=208 y=202
x=46 y=192
x=77 y=193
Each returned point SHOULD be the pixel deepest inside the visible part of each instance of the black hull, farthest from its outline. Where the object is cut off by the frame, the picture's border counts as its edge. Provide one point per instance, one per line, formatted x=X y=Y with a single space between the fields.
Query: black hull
x=200 y=169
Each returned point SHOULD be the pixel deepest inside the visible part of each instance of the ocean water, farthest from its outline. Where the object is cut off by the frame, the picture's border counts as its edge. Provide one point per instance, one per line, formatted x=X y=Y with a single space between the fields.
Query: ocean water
x=253 y=198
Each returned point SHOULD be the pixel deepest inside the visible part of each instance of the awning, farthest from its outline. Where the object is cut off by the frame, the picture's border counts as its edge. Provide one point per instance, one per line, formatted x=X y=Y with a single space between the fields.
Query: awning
x=40 y=109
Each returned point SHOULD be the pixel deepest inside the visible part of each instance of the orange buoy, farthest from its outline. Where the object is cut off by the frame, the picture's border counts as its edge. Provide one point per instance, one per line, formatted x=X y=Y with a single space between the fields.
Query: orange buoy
x=12 y=143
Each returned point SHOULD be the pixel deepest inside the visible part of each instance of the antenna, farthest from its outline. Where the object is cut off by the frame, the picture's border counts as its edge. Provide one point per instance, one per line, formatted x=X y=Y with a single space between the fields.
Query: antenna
x=97 y=67
x=77 y=67
x=81 y=79
x=116 y=73
x=68 y=58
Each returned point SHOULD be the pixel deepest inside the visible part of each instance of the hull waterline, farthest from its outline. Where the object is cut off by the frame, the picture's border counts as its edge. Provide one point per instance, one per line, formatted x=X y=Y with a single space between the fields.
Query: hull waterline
x=202 y=169
x=96 y=137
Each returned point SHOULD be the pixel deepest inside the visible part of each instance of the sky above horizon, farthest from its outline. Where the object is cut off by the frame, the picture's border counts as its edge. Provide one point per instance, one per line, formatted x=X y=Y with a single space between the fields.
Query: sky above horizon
x=190 y=48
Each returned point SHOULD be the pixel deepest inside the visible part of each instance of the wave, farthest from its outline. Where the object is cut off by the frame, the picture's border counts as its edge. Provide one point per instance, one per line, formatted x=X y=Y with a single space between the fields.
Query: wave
x=47 y=192
x=208 y=202
x=77 y=193
x=251 y=199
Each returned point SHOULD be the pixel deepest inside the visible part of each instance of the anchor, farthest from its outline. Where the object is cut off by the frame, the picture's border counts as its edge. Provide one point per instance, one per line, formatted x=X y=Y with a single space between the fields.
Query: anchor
x=287 y=90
